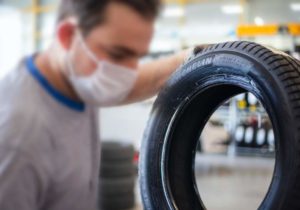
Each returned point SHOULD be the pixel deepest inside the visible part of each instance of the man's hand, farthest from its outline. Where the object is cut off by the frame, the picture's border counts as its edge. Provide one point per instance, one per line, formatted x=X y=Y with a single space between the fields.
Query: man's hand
x=192 y=52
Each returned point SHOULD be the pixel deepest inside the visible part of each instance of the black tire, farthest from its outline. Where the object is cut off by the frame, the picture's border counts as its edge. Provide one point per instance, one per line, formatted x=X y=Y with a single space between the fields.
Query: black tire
x=240 y=138
x=117 y=151
x=190 y=97
x=261 y=137
x=199 y=146
x=239 y=134
x=117 y=170
x=270 y=137
x=119 y=202
x=110 y=187
x=250 y=136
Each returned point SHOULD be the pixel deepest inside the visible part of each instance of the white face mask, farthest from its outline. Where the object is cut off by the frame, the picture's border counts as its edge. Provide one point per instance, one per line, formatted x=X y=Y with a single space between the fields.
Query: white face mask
x=108 y=85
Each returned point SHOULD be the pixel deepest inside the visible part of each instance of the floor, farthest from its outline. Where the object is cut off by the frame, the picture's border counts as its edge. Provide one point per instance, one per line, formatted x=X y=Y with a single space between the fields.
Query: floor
x=230 y=183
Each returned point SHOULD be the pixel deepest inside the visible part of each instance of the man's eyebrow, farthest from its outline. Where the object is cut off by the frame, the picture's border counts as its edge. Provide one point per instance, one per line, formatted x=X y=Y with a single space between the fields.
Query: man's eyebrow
x=128 y=51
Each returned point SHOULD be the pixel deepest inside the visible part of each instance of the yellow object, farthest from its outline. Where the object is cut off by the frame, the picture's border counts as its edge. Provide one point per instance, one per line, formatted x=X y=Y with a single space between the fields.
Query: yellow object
x=182 y=2
x=254 y=30
x=194 y=1
x=294 y=29
x=242 y=18
x=253 y=108
x=242 y=104
x=40 y=9
x=267 y=30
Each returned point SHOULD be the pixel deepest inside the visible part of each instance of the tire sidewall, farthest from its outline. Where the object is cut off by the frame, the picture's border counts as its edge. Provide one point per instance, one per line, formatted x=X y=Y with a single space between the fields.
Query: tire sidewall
x=205 y=71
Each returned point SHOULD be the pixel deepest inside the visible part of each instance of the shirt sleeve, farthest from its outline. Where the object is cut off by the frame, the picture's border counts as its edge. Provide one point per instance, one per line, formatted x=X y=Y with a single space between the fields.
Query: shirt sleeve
x=21 y=182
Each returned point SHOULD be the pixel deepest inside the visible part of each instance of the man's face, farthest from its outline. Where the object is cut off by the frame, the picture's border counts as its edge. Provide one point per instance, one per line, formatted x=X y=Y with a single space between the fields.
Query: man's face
x=123 y=39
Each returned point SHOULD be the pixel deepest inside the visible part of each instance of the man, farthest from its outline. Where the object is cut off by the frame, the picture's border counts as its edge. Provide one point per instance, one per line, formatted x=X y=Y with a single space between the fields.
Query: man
x=49 y=148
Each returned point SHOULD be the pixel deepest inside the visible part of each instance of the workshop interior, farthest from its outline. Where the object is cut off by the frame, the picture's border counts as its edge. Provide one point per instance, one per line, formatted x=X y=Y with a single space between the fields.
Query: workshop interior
x=221 y=135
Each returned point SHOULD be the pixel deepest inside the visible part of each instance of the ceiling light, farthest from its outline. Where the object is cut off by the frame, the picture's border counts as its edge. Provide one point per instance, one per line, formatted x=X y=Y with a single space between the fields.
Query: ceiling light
x=259 y=21
x=295 y=6
x=174 y=11
x=232 y=9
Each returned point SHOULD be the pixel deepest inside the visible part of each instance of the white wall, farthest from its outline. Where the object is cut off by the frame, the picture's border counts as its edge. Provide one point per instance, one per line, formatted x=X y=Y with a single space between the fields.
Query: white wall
x=11 y=45
x=126 y=123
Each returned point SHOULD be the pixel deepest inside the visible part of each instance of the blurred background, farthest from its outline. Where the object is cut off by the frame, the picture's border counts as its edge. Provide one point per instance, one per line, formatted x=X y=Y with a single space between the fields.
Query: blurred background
x=28 y=25
x=235 y=158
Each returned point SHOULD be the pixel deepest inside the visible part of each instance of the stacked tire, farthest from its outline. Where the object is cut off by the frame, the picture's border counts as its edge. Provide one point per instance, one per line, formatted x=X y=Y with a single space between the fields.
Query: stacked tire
x=252 y=137
x=246 y=136
x=265 y=138
x=117 y=176
x=239 y=135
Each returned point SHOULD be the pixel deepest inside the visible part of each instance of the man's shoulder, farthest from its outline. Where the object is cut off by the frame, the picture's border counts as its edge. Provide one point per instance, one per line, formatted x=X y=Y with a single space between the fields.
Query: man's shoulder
x=19 y=92
x=19 y=112
x=17 y=83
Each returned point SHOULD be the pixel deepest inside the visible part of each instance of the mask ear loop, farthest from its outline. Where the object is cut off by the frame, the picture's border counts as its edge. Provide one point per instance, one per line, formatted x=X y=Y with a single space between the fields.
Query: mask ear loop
x=88 y=50
x=100 y=63
x=70 y=67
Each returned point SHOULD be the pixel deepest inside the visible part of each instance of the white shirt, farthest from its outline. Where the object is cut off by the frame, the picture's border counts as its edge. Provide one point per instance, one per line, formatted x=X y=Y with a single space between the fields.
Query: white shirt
x=49 y=146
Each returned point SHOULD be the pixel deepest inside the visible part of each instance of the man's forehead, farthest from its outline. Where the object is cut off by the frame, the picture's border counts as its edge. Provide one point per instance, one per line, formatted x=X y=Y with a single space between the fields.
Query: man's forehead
x=125 y=32
x=132 y=41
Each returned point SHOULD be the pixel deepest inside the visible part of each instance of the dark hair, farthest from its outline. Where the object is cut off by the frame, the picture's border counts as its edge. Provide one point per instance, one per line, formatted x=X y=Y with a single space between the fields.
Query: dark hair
x=91 y=13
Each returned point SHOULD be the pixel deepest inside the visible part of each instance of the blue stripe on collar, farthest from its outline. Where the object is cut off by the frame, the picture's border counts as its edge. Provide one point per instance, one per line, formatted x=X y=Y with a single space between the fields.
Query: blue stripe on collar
x=32 y=68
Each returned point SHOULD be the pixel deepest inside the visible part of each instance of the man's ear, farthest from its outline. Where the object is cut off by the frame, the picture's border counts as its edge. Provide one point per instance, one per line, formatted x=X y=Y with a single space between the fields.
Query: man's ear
x=65 y=33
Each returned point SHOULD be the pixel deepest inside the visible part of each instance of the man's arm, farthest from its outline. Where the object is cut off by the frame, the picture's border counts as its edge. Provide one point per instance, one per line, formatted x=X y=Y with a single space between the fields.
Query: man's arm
x=153 y=75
